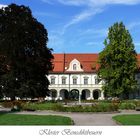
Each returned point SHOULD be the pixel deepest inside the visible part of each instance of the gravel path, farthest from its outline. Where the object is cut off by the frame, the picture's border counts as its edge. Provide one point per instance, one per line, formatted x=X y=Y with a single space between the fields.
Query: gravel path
x=86 y=119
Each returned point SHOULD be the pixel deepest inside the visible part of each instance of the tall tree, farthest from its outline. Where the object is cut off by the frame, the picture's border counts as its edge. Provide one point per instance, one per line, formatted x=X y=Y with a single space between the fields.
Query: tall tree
x=118 y=63
x=23 y=43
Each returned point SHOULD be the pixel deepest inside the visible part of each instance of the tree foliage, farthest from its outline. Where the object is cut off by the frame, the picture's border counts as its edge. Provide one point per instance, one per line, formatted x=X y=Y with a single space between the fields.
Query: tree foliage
x=23 y=46
x=118 y=62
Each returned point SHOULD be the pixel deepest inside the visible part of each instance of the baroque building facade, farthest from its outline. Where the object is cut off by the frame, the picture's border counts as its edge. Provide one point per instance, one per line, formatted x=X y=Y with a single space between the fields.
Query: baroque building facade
x=75 y=76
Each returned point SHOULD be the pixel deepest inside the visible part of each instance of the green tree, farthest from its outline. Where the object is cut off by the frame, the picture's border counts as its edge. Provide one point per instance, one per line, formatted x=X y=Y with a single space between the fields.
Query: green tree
x=118 y=62
x=23 y=43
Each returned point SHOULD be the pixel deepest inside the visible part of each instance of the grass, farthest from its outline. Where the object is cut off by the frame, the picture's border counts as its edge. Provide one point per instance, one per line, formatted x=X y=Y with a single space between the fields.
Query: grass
x=18 y=119
x=128 y=119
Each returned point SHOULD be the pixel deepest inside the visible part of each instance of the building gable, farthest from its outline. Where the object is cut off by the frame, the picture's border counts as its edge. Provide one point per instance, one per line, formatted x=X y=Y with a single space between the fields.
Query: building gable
x=74 y=66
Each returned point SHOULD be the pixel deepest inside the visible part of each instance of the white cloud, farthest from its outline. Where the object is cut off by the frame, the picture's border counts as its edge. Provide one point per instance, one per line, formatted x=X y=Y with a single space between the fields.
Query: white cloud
x=96 y=32
x=93 y=2
x=82 y=16
x=91 y=35
x=2 y=5
x=107 y=2
x=48 y=1
x=91 y=8
x=73 y=2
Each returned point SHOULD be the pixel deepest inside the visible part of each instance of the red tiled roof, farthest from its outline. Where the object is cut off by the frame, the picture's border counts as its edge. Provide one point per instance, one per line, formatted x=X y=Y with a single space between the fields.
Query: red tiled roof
x=88 y=62
x=63 y=60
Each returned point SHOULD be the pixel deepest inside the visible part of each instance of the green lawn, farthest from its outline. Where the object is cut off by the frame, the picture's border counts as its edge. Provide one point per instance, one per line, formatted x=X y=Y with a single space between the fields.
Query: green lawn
x=18 y=119
x=128 y=119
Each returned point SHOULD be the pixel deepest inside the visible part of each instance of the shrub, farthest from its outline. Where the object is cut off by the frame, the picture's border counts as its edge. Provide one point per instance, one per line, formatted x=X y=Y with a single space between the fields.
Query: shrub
x=43 y=106
x=7 y=104
x=136 y=102
x=96 y=107
x=96 y=101
x=106 y=107
x=14 y=105
x=57 y=107
x=127 y=106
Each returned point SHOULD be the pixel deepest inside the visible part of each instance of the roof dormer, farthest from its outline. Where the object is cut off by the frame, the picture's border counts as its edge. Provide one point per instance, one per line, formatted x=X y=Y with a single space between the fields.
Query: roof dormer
x=74 y=66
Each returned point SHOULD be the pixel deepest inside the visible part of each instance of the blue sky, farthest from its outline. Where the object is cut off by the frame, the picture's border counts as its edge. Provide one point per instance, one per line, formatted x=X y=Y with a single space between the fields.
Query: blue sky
x=80 y=26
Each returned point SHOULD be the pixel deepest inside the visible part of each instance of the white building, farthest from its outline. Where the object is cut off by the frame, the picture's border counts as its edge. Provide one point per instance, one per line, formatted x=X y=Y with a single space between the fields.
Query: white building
x=75 y=73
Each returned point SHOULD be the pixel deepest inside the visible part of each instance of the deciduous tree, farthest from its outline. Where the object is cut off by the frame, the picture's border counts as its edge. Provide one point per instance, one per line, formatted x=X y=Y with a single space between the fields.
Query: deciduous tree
x=118 y=63
x=23 y=43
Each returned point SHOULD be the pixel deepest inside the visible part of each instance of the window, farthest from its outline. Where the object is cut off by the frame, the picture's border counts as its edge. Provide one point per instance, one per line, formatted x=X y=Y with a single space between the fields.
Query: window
x=75 y=81
x=53 y=80
x=85 y=81
x=96 y=80
x=63 y=80
x=74 y=67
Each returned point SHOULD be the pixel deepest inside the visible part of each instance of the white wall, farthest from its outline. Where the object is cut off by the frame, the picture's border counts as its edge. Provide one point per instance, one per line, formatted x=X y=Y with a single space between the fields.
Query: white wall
x=80 y=78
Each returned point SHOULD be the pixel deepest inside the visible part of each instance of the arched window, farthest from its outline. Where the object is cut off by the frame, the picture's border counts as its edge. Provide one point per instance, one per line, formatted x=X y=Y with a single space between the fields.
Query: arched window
x=74 y=67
